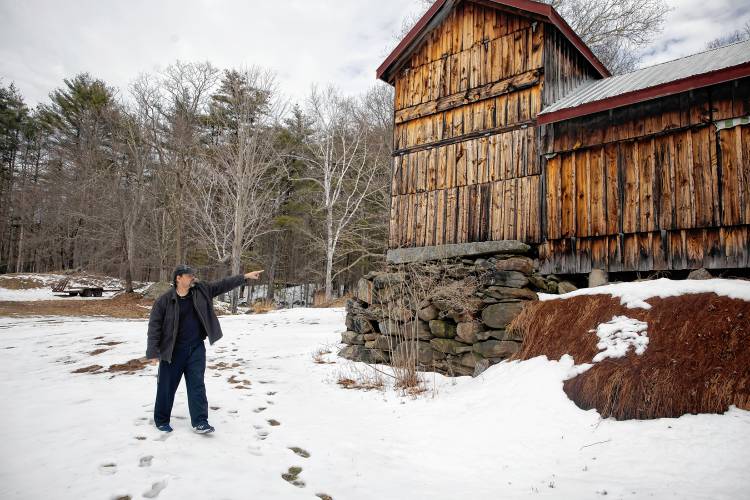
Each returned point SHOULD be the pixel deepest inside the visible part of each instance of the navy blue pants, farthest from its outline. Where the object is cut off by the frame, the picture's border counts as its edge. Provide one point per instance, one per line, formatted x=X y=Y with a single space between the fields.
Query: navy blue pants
x=190 y=361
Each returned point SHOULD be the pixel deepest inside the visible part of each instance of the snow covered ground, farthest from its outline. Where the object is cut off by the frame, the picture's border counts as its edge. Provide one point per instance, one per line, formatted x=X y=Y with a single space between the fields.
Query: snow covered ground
x=510 y=433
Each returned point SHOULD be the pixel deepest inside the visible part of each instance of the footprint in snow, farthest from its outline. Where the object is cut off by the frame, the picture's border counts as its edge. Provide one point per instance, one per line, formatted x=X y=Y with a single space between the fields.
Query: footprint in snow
x=273 y=422
x=145 y=461
x=300 y=451
x=260 y=409
x=108 y=468
x=156 y=488
x=292 y=476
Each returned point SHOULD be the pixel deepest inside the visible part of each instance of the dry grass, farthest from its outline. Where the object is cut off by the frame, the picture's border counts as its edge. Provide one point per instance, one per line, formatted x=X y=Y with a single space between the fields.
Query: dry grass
x=263 y=306
x=318 y=356
x=697 y=360
x=352 y=378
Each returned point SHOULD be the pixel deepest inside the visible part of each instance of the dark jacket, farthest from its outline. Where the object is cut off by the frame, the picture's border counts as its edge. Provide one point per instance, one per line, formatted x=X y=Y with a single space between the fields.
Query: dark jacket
x=163 y=324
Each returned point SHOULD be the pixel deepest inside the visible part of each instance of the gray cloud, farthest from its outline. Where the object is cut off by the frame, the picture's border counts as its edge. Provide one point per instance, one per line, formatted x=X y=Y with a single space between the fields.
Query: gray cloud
x=305 y=41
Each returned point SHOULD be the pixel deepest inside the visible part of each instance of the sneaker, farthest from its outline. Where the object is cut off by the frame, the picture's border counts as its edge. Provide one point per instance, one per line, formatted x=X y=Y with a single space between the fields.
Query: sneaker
x=203 y=428
x=165 y=428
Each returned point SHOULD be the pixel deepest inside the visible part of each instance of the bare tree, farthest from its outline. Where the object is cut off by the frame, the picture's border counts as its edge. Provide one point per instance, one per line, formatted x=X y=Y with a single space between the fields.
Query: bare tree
x=236 y=183
x=338 y=156
x=733 y=37
x=615 y=30
x=175 y=103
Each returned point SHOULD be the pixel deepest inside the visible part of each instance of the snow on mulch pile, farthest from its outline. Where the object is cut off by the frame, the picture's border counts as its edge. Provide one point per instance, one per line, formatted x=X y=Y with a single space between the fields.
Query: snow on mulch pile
x=287 y=430
x=649 y=349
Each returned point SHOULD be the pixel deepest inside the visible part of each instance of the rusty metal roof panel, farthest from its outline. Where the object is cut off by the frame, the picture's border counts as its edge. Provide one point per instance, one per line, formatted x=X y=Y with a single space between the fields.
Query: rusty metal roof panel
x=654 y=76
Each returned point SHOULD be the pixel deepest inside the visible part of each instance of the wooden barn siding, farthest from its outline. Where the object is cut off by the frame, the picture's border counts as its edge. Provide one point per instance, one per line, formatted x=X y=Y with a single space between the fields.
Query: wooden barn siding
x=652 y=186
x=466 y=157
x=564 y=67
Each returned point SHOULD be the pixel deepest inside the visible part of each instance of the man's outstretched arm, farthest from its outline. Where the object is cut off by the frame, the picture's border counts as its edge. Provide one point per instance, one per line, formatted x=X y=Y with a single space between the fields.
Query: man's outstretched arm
x=223 y=286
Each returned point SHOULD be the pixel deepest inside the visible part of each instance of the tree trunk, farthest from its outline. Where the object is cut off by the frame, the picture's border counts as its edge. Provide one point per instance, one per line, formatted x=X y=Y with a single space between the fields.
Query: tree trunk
x=19 y=257
x=272 y=268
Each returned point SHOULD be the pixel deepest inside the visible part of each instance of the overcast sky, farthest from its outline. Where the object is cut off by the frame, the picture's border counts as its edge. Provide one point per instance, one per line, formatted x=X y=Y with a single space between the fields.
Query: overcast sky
x=304 y=41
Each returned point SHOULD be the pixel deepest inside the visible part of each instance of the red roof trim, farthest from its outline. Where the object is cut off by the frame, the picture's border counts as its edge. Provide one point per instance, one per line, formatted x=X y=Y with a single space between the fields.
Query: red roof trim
x=540 y=9
x=663 y=90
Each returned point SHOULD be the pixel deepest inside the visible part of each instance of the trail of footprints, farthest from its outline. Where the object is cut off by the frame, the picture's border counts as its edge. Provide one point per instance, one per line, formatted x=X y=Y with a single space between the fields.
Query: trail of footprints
x=293 y=473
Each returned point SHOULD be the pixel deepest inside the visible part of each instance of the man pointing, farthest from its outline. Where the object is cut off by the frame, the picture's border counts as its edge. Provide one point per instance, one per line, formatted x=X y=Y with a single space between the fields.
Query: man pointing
x=180 y=320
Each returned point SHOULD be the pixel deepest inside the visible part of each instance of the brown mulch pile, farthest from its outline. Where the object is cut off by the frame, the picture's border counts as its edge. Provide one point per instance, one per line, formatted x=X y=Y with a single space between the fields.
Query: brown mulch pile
x=12 y=282
x=125 y=305
x=697 y=359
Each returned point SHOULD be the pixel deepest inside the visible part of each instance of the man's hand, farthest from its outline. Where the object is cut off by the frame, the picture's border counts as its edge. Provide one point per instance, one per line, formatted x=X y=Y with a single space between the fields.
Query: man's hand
x=154 y=361
x=254 y=275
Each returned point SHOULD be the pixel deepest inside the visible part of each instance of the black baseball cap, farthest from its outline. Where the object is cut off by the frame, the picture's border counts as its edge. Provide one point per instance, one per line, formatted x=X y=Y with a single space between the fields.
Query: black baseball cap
x=182 y=269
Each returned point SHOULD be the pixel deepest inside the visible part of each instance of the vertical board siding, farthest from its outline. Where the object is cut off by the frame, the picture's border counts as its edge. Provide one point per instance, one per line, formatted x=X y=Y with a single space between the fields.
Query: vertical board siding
x=657 y=186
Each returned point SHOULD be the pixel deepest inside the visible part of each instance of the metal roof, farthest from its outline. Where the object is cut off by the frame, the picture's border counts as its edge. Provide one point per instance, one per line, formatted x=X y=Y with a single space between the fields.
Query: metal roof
x=694 y=71
x=441 y=8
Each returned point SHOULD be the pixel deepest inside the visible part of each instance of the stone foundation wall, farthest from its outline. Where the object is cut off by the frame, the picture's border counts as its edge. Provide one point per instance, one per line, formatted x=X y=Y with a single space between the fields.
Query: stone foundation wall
x=448 y=315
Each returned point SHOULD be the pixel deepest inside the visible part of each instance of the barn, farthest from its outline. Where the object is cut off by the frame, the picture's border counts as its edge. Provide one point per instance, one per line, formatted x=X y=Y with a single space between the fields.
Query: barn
x=507 y=127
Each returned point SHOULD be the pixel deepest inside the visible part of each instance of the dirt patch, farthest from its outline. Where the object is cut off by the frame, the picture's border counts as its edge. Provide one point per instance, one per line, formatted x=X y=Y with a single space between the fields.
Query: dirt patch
x=109 y=343
x=125 y=305
x=697 y=359
x=96 y=352
x=88 y=369
x=131 y=366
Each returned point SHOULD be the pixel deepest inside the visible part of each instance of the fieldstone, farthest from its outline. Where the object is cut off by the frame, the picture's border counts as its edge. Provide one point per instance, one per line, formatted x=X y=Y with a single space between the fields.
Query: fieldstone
x=422 y=351
x=480 y=367
x=442 y=329
x=352 y=338
x=467 y=331
x=545 y=285
x=428 y=313
x=373 y=356
x=352 y=352
x=470 y=359
x=373 y=313
x=362 y=325
x=442 y=304
x=389 y=327
x=521 y=264
x=496 y=348
x=512 y=279
x=364 y=290
x=449 y=346
x=419 y=329
x=505 y=292
x=700 y=274
x=349 y=321
x=499 y=315
x=370 y=336
x=386 y=279
x=598 y=277
x=482 y=264
x=500 y=335
x=566 y=287
x=383 y=343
